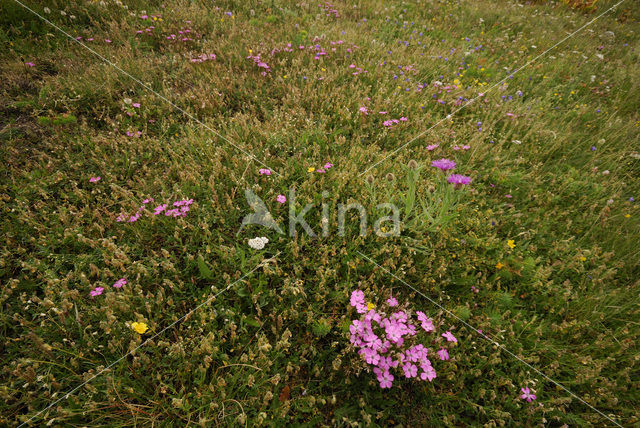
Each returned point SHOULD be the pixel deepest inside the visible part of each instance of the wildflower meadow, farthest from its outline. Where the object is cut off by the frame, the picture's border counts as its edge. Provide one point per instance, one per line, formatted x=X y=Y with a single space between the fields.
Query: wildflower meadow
x=347 y=213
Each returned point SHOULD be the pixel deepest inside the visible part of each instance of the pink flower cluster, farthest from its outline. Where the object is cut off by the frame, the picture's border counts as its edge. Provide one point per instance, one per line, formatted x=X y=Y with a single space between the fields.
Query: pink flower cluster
x=99 y=290
x=148 y=31
x=182 y=207
x=358 y=69
x=324 y=168
x=392 y=122
x=388 y=342
x=260 y=63
x=329 y=9
x=183 y=35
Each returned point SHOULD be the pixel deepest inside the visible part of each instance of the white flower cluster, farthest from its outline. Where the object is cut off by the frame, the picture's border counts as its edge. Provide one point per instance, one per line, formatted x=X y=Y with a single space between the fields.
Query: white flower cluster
x=258 y=243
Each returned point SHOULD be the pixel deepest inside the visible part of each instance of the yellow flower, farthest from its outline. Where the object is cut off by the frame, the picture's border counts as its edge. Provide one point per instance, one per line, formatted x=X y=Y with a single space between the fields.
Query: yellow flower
x=311 y=169
x=511 y=243
x=370 y=306
x=139 y=327
x=583 y=258
x=627 y=215
x=499 y=265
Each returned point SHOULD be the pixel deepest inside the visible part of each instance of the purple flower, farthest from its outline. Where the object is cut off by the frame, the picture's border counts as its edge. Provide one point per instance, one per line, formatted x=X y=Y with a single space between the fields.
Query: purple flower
x=94 y=179
x=391 y=301
x=281 y=198
x=444 y=164
x=458 y=179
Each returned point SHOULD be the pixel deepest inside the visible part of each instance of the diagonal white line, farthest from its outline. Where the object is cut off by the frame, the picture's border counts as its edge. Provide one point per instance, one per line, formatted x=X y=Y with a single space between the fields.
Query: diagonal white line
x=147 y=87
x=484 y=336
x=490 y=89
x=211 y=298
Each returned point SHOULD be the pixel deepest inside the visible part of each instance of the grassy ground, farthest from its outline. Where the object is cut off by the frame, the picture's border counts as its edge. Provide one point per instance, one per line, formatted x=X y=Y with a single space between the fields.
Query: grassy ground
x=554 y=157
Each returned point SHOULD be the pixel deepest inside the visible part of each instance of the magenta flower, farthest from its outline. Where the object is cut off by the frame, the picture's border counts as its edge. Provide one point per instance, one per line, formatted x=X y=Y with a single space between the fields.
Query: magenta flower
x=357 y=298
x=94 y=179
x=328 y=165
x=443 y=354
x=29 y=64
x=281 y=198
x=364 y=110
x=429 y=372
x=385 y=379
x=96 y=291
x=120 y=283
x=527 y=395
x=432 y=147
x=427 y=323
x=385 y=341
x=450 y=337
x=136 y=105
x=410 y=370
x=459 y=179
x=264 y=171
x=444 y=164
x=159 y=209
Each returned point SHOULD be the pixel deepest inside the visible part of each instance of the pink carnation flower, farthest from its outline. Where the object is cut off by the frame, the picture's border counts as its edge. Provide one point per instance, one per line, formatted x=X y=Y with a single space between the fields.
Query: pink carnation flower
x=120 y=283
x=450 y=337
x=96 y=291
x=527 y=395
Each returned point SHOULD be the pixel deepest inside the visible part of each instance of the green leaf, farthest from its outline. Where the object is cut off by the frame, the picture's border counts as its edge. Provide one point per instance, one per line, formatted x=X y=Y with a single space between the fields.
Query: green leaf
x=205 y=272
